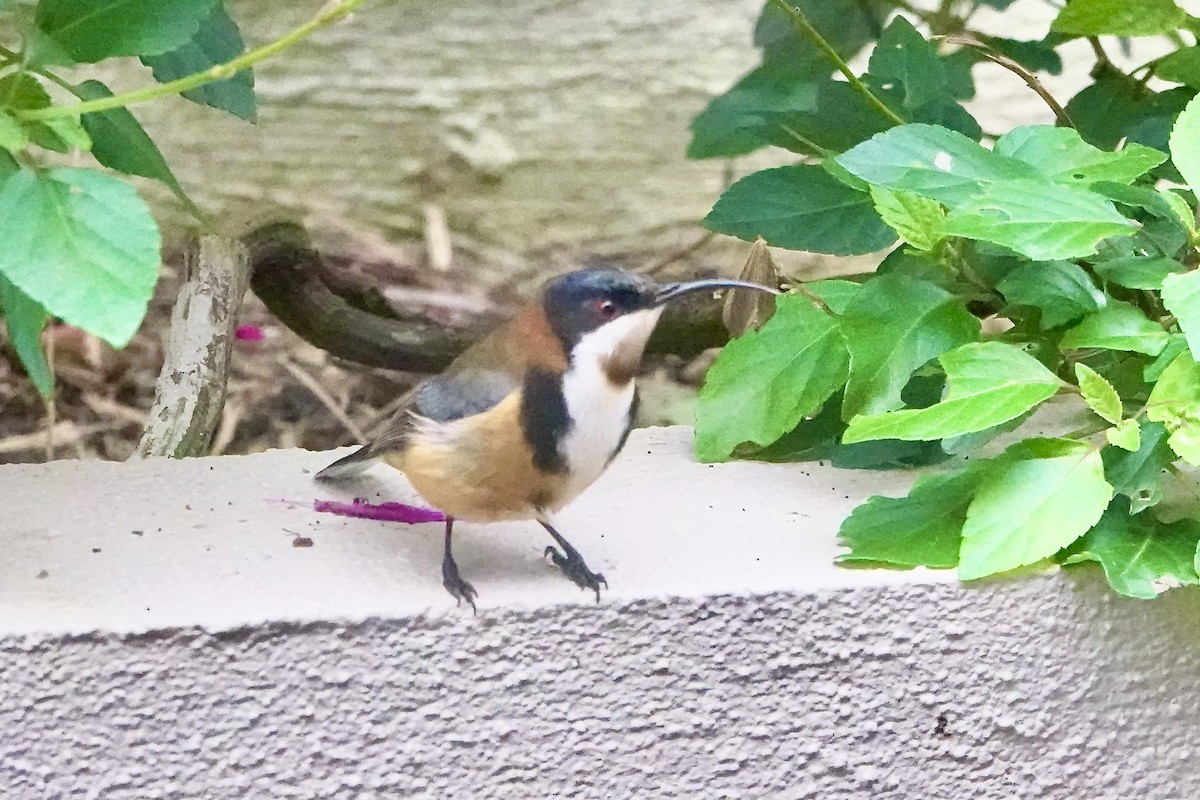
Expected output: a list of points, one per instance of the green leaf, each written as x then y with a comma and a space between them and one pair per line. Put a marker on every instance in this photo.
25, 319
8, 166
12, 136
82, 244
847, 27
1117, 107
922, 529
989, 384
1039, 220
917, 219
1138, 272
1037, 56
21, 91
1176, 344
1185, 143
1099, 394
68, 135
217, 41
93, 30
1035, 500
1181, 296
1141, 556
120, 142
1060, 154
1137, 475
1119, 17
886, 346
1126, 435
933, 162
765, 382
1175, 401
1060, 290
1117, 326
903, 55
801, 208
1182, 66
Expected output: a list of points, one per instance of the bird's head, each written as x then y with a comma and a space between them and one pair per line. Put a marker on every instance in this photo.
609, 314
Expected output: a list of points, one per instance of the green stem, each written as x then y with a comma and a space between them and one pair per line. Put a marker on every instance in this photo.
801, 23
218, 73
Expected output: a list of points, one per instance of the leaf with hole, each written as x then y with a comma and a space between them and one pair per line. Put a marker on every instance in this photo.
1141, 556
1039, 497
903, 55
1117, 326
801, 208
83, 245
1137, 474
933, 162
93, 30
886, 347
989, 383
1041, 221
1060, 154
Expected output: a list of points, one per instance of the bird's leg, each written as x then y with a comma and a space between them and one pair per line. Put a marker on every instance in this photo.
572, 564
459, 589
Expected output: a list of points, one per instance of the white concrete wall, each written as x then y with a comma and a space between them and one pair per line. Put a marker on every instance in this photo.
207, 657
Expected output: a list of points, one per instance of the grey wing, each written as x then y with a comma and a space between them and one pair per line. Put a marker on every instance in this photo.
445, 398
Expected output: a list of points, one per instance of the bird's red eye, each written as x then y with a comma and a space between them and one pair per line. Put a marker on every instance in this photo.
607, 308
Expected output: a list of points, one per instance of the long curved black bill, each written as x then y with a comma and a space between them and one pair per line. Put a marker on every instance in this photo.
670, 291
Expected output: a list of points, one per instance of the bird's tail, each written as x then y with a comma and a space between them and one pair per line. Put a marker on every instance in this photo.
350, 466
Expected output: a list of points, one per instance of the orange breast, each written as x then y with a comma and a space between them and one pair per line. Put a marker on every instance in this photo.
479, 468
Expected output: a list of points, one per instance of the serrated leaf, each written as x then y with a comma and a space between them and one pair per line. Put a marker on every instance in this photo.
1185, 143
801, 208
1035, 500
989, 383
21, 91
1137, 475
1119, 17
1099, 394
903, 55
83, 245
1060, 290
93, 30
917, 219
933, 162
12, 136
764, 383
1117, 107
1060, 154
1138, 272
1181, 296
1126, 435
1141, 556
923, 528
1117, 326
25, 319
217, 41
886, 347
1041, 221
1175, 402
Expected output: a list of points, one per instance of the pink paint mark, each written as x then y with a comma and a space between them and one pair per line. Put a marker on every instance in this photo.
249, 333
388, 512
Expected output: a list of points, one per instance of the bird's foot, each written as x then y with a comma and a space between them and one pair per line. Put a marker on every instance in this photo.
573, 567
459, 589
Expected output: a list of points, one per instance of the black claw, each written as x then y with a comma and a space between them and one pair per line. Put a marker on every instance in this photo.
459, 589
576, 570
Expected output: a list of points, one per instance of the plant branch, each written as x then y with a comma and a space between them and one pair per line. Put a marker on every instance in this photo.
801, 23
1031, 80
218, 73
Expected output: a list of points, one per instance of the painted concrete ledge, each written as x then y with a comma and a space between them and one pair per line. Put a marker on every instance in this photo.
160, 636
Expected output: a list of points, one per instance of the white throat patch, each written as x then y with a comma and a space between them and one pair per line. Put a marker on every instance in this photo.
599, 410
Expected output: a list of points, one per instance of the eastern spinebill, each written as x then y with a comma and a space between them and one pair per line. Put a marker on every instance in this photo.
532, 414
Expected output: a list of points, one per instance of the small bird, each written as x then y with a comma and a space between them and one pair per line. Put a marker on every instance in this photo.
531, 415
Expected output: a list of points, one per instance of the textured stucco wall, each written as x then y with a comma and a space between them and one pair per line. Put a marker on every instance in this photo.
161, 637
